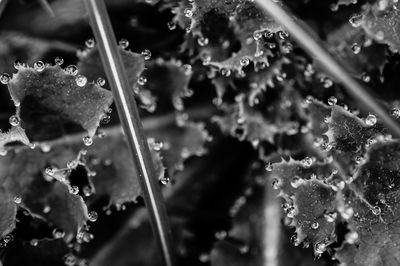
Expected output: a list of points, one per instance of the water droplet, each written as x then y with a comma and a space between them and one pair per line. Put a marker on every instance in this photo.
46, 209
202, 41
188, 12
39, 66
245, 61
17, 199
124, 43
101, 82
320, 248
81, 80
92, 216
309, 70
276, 184
87, 140
146, 54
257, 35
165, 180
90, 43
380, 35
58, 233
268, 34
332, 100
283, 34
74, 190
59, 60
328, 83
295, 240
351, 237
221, 235
376, 210
69, 260
365, 77
142, 80
14, 120
307, 162
225, 72
34, 242
71, 69
5, 78
187, 69
315, 225
330, 217
347, 213
296, 182
171, 25
395, 113
356, 20
356, 48
370, 120
158, 145
204, 258
269, 167
87, 191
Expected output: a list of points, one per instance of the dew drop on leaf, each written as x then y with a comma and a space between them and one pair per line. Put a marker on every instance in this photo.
171, 25
124, 43
307, 162
142, 80
187, 69
17, 199
14, 120
332, 100
39, 66
370, 120
188, 12
34, 242
395, 113
58, 61
69, 260
46, 209
269, 167
58, 233
245, 61
5, 78
315, 225
74, 190
356, 48
276, 183
165, 180
87, 140
81, 80
283, 34
257, 35
92, 216
101, 82
351, 237
376, 210
295, 240
356, 20
202, 41
330, 217
320, 248
146, 54
296, 182
71, 69
90, 43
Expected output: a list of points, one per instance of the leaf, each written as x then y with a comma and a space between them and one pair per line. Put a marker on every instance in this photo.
374, 197
169, 80
22, 177
346, 41
308, 198
8, 210
381, 22
238, 18
48, 99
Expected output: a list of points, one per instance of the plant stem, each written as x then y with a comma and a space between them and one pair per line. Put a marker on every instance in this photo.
129, 116
314, 46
